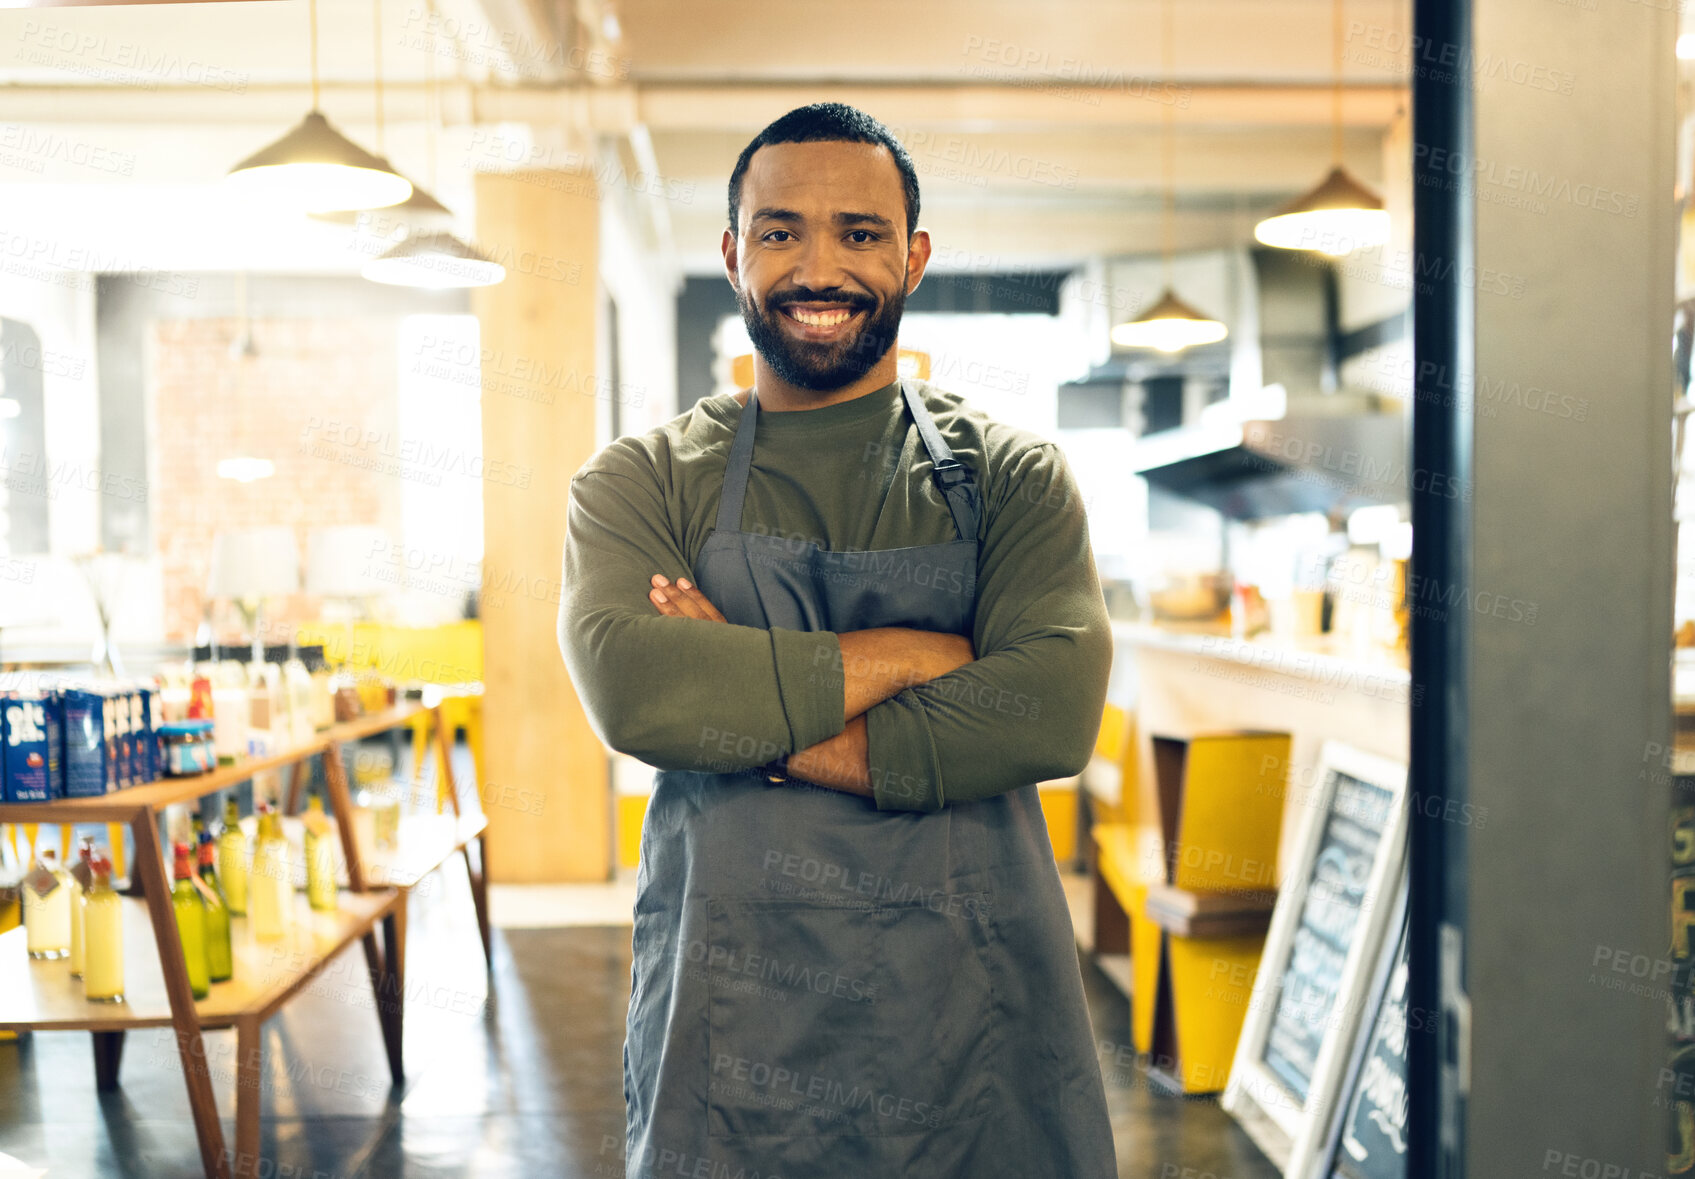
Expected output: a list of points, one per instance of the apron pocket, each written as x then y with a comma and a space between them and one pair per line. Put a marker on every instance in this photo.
851, 1018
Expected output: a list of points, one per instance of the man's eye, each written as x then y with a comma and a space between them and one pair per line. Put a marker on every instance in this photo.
772, 235
861, 237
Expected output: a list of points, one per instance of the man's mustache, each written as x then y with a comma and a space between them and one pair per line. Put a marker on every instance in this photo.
850, 299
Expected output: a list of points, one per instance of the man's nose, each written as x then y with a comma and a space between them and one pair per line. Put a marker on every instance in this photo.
820, 266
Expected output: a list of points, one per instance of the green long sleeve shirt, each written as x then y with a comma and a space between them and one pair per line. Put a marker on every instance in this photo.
686, 694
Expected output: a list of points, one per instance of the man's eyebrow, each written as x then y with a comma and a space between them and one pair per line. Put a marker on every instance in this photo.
770, 213
864, 219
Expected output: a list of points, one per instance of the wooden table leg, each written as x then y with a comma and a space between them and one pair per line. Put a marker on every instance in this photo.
479, 873
249, 1069
389, 983
447, 788
479, 892
185, 1021
341, 806
108, 1055
296, 786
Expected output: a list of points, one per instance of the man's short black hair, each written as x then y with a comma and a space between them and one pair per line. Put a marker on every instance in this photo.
828, 122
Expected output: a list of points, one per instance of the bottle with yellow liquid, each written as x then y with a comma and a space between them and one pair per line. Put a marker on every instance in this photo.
270, 891
219, 965
191, 923
47, 908
320, 857
232, 860
80, 875
103, 937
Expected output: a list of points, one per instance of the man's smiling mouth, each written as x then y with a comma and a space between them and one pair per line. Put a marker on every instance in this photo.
818, 318
819, 322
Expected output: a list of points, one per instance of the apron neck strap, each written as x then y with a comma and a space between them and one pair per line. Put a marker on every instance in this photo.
736, 469
952, 477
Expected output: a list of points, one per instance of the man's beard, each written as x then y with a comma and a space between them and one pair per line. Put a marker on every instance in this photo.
821, 366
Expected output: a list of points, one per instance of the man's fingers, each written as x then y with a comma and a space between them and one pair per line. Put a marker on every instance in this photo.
666, 606
693, 591
685, 603
682, 600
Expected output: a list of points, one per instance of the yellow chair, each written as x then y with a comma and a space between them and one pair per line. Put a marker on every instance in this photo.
450, 655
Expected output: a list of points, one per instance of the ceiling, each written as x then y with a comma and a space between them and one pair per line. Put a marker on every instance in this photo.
1035, 124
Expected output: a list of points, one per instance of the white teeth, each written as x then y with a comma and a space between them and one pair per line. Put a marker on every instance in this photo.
819, 318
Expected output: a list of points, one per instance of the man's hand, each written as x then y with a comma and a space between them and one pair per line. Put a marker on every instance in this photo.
683, 600
876, 663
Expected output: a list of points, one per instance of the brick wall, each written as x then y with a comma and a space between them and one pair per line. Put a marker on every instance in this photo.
318, 400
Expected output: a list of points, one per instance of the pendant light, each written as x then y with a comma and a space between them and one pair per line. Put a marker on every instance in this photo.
1170, 325
316, 168
420, 206
1340, 215
434, 260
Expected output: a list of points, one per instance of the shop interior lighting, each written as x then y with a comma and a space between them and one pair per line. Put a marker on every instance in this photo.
1339, 215
418, 208
246, 469
315, 168
1170, 325
434, 261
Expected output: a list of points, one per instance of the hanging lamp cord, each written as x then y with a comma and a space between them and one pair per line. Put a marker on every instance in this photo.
1168, 145
1336, 84
377, 67
312, 17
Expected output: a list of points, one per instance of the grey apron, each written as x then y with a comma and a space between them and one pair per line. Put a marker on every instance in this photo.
823, 989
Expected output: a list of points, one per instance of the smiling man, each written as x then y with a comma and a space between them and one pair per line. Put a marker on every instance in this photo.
852, 621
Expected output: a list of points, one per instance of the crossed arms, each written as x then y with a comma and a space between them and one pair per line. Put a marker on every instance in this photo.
915, 719
876, 663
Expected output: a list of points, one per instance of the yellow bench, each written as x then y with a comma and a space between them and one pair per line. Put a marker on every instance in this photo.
1187, 892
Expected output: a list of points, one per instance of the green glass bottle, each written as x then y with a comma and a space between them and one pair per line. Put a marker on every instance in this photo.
191, 923
219, 966
232, 860
320, 857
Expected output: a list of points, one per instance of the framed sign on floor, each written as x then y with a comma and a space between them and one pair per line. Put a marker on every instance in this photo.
1335, 904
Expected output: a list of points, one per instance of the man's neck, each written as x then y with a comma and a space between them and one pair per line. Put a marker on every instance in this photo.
779, 396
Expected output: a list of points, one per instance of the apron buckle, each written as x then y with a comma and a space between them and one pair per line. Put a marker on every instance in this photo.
949, 472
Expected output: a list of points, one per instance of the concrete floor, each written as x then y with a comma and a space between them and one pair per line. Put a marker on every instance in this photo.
526, 1083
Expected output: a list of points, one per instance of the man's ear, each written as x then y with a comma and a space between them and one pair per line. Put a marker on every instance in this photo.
917, 258
732, 263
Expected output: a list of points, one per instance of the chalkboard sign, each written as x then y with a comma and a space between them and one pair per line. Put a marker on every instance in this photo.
1370, 1138
1336, 891
1320, 953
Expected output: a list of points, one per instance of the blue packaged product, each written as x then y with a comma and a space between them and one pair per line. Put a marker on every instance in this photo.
117, 738
128, 737
54, 703
149, 743
23, 721
87, 758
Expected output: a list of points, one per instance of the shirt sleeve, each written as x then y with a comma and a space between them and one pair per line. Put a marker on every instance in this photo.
1028, 708
678, 693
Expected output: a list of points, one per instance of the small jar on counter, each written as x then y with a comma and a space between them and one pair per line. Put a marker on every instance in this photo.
188, 747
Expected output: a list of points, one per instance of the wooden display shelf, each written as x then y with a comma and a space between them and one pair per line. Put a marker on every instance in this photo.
117, 805
42, 995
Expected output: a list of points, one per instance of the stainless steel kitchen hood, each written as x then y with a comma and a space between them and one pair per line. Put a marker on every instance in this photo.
1330, 461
